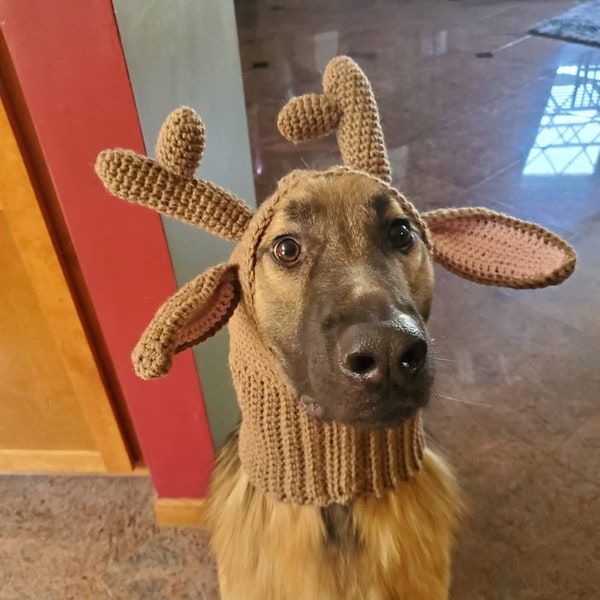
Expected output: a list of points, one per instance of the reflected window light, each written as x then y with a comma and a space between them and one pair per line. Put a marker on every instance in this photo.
568, 139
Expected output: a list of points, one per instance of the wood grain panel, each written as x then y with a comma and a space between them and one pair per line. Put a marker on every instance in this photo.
51, 461
39, 408
180, 512
52, 395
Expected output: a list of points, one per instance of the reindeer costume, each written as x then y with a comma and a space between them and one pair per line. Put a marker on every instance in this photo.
290, 479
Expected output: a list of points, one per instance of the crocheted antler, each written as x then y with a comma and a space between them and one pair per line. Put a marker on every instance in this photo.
348, 104
167, 184
203, 306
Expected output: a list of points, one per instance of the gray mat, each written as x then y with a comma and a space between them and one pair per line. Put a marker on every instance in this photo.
580, 24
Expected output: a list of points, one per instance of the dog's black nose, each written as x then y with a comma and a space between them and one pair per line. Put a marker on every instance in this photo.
387, 355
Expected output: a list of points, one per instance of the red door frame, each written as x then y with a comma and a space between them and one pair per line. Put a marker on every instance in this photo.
72, 73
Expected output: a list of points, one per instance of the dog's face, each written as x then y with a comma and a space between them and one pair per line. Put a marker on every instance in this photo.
343, 288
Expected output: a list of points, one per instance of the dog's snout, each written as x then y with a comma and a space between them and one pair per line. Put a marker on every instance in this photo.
362, 365
413, 357
382, 355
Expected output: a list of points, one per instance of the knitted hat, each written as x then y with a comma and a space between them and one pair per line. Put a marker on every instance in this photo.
285, 451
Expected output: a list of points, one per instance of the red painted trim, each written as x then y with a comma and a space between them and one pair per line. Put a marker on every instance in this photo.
70, 64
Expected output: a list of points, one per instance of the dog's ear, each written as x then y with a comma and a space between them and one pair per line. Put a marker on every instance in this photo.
491, 248
195, 313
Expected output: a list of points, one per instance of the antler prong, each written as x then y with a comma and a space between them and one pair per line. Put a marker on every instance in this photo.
308, 117
348, 103
181, 142
167, 184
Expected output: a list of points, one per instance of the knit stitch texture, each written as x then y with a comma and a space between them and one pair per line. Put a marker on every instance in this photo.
348, 103
297, 458
167, 184
285, 452
493, 249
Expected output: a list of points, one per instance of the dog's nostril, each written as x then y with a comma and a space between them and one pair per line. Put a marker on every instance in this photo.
413, 358
361, 364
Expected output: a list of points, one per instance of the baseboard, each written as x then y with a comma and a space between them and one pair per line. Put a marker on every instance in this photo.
51, 461
180, 512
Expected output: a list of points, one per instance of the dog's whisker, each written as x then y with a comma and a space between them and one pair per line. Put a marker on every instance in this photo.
438, 395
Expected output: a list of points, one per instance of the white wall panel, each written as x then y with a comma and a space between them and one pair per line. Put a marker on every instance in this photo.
185, 52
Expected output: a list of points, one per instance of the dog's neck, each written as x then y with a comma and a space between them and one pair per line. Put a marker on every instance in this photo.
296, 458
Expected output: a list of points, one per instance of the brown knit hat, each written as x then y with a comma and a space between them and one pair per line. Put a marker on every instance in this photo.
284, 451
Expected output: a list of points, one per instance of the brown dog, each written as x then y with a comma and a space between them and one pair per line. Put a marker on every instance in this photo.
328, 491
340, 291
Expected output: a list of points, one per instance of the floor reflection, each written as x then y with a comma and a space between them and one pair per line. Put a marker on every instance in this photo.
517, 410
568, 140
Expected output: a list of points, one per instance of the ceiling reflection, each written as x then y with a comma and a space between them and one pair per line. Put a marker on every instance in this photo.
568, 138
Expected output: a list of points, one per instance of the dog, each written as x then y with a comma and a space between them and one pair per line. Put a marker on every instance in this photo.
341, 294
328, 489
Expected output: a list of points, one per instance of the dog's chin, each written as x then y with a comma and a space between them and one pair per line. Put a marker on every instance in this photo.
379, 414
385, 420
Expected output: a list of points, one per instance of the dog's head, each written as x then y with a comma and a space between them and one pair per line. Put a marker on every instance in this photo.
335, 268
342, 289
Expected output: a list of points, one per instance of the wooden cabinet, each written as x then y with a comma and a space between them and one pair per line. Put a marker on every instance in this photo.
55, 413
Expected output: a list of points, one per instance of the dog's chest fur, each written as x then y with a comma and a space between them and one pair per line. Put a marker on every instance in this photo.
390, 548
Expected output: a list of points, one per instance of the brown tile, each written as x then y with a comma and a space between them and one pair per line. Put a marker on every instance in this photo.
505, 551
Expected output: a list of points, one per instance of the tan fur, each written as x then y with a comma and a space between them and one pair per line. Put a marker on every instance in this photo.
270, 550
399, 544
340, 236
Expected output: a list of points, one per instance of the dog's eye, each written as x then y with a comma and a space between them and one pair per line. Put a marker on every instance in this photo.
400, 235
286, 250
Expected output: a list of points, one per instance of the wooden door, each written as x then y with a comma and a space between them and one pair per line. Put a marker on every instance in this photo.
55, 413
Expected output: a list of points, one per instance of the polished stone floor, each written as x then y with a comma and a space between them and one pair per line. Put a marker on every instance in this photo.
475, 112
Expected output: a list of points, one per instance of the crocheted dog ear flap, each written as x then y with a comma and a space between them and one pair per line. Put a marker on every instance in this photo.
195, 313
167, 184
493, 249
347, 104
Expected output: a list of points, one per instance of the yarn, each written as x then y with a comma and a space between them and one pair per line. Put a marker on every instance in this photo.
348, 101
493, 249
286, 452
167, 184
192, 315
297, 458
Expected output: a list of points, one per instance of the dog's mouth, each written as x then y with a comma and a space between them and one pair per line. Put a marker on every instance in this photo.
370, 412
312, 407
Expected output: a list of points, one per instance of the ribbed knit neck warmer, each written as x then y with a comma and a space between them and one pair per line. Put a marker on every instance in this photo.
297, 458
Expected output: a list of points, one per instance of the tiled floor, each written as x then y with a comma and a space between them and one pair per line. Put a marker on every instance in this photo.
518, 402
519, 372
